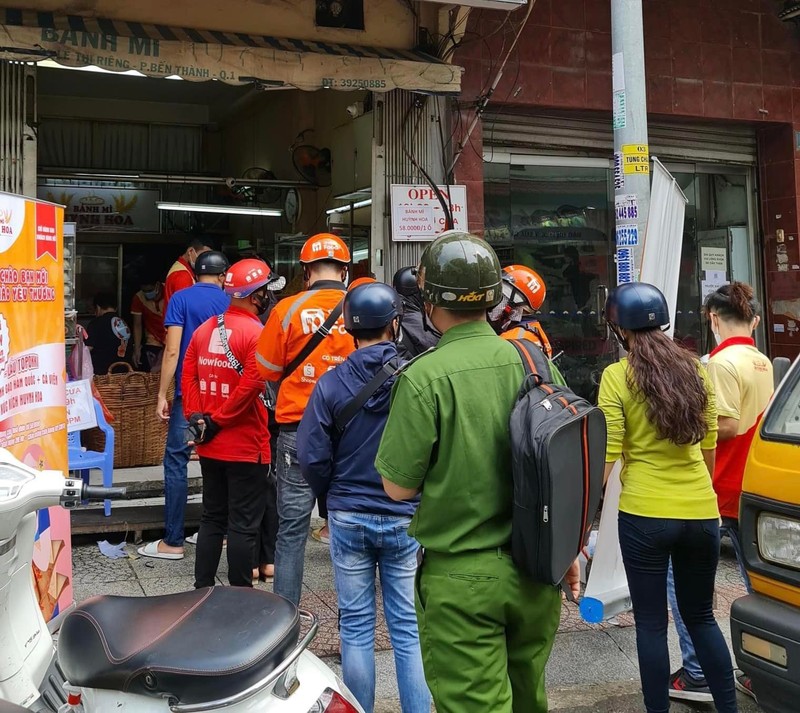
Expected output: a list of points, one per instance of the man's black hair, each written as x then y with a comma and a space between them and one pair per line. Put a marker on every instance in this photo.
105, 300
364, 335
198, 242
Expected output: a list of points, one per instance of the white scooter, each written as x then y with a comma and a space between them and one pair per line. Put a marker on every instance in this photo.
226, 649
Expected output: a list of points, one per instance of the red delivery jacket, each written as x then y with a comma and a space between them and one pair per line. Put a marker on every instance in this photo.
211, 385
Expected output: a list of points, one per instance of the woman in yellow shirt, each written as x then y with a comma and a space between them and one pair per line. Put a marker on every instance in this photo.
662, 420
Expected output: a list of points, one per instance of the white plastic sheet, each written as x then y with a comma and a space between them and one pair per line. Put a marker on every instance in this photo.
661, 258
606, 592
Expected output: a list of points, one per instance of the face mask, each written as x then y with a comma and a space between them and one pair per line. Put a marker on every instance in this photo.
622, 341
717, 335
151, 295
262, 303
427, 323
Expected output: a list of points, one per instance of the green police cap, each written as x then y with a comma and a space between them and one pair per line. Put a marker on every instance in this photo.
459, 271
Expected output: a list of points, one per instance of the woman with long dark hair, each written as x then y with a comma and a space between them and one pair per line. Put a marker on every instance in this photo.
662, 420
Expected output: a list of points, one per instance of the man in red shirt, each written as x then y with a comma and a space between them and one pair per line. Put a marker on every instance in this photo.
181, 274
223, 400
149, 333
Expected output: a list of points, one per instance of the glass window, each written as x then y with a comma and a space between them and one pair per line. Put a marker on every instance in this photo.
558, 220
783, 420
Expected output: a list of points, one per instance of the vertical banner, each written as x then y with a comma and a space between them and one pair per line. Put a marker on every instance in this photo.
33, 414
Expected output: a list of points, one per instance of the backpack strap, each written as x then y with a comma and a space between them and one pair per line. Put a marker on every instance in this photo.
231, 357
315, 340
534, 361
386, 372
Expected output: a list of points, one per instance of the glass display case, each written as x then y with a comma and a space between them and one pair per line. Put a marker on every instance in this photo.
287, 255
97, 269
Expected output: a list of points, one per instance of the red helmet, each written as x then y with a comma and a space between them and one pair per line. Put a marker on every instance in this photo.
324, 246
246, 276
360, 281
523, 287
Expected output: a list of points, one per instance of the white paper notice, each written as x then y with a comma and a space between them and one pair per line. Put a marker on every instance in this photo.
618, 72
716, 276
714, 259
710, 286
80, 406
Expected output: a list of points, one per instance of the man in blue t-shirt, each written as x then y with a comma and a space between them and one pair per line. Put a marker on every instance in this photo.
186, 311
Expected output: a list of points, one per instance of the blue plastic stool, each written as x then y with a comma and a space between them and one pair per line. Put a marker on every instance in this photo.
84, 461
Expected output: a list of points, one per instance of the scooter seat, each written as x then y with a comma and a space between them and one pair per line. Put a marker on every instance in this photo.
197, 646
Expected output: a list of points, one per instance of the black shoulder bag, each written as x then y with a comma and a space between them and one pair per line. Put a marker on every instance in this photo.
232, 360
386, 372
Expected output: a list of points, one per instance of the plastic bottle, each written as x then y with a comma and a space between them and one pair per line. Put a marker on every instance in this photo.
73, 704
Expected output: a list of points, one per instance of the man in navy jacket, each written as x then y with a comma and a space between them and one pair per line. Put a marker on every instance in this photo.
336, 451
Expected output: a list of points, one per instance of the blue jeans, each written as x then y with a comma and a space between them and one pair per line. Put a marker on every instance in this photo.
295, 505
693, 545
691, 665
176, 476
359, 543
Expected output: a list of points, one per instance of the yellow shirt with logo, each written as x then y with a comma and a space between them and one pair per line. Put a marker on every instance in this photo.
743, 381
659, 478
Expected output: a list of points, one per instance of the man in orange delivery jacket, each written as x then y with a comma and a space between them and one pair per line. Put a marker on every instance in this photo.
514, 318
304, 337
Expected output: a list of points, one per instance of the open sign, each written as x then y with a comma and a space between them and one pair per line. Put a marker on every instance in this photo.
417, 212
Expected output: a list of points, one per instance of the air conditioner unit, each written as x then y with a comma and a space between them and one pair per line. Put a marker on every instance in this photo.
485, 4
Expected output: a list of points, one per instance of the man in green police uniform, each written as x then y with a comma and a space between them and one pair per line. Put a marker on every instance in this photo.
486, 631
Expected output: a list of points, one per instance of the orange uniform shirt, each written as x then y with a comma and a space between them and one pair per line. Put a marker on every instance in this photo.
180, 276
743, 381
289, 327
533, 332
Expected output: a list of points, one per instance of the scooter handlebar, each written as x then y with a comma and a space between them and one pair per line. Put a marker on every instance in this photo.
96, 492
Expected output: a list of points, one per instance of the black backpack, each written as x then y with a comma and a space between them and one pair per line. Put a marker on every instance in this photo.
558, 453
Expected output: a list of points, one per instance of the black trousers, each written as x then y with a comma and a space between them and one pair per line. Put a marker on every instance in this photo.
268, 531
234, 499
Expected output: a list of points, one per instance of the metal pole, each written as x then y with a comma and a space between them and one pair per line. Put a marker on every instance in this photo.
631, 147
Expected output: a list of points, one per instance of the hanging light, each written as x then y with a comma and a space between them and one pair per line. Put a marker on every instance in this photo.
791, 11
346, 208
225, 209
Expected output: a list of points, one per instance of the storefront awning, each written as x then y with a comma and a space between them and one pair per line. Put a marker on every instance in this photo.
234, 58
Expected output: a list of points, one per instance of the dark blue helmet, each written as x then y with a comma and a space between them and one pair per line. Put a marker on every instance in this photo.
371, 306
211, 262
637, 305
405, 281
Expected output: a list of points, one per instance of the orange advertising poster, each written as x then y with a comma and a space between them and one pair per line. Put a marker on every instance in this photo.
33, 413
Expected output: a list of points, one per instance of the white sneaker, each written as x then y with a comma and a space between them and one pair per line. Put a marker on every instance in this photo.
192, 539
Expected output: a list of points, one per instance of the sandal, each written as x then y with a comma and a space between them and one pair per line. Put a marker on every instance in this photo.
151, 550
317, 534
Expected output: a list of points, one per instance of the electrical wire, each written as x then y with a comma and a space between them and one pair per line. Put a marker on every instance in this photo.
445, 203
484, 101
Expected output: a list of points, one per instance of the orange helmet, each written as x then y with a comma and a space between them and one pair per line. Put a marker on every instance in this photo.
324, 246
360, 281
523, 287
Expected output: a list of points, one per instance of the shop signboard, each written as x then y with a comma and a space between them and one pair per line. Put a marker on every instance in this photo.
417, 212
234, 58
33, 414
127, 210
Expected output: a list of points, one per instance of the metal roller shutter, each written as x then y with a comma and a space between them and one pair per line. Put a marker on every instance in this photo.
700, 143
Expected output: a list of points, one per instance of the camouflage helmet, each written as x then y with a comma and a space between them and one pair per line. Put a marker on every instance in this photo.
459, 271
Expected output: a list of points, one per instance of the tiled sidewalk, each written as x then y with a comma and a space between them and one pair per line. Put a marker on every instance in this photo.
95, 574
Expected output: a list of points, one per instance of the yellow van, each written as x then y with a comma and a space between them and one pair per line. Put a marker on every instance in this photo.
766, 624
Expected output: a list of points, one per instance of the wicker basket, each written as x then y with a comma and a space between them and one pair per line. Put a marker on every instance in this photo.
139, 436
